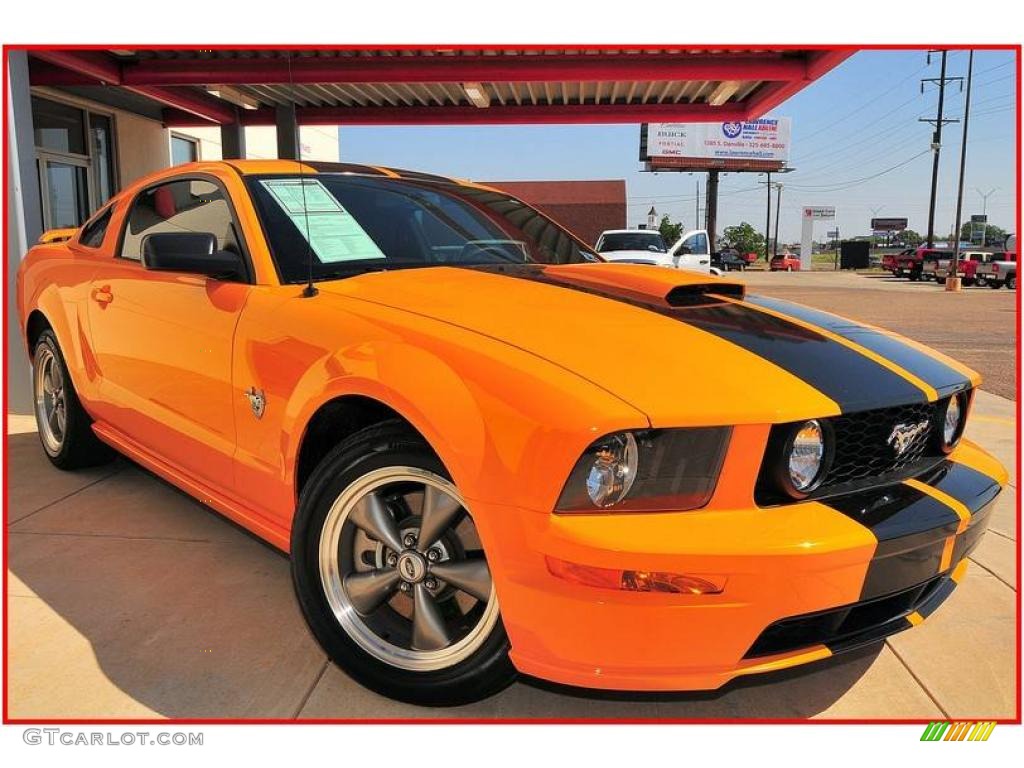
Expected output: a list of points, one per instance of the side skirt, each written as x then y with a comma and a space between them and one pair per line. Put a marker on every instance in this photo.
267, 530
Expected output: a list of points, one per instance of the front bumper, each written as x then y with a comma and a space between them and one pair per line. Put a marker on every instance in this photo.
802, 581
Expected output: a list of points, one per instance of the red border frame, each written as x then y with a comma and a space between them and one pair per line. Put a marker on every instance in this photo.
7, 720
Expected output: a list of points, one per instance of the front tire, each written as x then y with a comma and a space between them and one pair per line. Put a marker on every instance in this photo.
391, 576
65, 429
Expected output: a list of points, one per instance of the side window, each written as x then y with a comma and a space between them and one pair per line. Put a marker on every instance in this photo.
95, 231
188, 205
701, 244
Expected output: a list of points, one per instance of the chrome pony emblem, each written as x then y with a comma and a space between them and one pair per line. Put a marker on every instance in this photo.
904, 435
257, 401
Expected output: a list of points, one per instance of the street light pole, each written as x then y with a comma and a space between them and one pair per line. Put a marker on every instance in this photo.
984, 212
953, 280
938, 122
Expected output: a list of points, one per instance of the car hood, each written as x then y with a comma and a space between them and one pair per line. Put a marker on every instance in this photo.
681, 347
644, 257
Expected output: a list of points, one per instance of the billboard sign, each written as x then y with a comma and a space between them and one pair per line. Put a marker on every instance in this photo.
763, 140
979, 218
819, 211
888, 225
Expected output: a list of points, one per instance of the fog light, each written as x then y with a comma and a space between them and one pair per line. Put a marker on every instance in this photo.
806, 456
953, 421
635, 581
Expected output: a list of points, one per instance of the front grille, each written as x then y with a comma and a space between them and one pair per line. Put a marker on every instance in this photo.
863, 449
865, 454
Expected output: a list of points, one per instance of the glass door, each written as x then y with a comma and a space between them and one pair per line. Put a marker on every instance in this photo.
65, 191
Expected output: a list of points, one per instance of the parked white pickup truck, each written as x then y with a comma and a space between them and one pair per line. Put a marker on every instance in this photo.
646, 246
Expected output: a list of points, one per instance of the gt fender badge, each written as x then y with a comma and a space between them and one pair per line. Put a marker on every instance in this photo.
903, 436
257, 401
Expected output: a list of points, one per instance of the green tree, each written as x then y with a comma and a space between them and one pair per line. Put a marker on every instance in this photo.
744, 238
670, 232
911, 238
993, 235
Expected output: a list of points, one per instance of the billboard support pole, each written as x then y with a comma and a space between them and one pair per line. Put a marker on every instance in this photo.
711, 207
778, 207
768, 219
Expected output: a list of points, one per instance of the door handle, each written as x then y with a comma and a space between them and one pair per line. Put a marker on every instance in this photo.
102, 296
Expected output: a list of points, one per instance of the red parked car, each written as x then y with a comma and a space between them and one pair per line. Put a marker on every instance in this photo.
785, 262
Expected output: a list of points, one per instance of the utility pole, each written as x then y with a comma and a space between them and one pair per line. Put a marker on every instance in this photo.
768, 218
938, 122
984, 211
953, 280
696, 213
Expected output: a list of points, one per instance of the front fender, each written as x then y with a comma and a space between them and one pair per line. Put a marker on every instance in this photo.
507, 432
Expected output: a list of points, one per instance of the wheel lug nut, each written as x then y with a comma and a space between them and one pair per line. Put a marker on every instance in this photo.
405, 586
433, 555
430, 584
392, 559
409, 540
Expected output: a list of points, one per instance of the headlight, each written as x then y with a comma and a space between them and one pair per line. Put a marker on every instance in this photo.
646, 471
953, 418
613, 470
806, 457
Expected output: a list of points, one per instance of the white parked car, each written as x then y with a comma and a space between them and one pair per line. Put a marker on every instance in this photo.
646, 246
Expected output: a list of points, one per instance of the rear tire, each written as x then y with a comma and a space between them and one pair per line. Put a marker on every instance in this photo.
1011, 283
411, 638
995, 284
65, 429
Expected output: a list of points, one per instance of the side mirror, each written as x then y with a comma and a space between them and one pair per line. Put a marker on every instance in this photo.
193, 252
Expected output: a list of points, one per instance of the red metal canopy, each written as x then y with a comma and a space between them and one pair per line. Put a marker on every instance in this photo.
434, 85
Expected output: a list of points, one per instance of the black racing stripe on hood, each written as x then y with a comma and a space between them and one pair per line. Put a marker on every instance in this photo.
941, 377
851, 380
912, 529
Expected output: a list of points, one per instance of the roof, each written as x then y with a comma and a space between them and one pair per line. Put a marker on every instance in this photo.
445, 85
575, 192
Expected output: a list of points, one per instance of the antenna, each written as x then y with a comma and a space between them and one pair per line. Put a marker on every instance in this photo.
310, 290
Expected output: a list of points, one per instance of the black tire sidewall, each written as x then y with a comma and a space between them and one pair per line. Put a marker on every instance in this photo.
485, 672
80, 446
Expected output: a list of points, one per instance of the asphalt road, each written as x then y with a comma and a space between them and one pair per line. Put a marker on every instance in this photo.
975, 326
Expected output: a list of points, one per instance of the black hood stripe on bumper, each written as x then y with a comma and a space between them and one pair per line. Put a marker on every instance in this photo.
852, 380
919, 533
944, 379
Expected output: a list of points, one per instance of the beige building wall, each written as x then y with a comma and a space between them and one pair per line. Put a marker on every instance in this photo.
319, 142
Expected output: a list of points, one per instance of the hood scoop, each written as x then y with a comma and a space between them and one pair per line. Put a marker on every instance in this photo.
702, 293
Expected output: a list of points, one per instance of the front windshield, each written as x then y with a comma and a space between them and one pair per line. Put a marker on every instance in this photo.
632, 241
354, 224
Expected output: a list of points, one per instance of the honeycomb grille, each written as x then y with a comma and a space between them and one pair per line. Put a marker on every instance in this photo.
863, 445
865, 452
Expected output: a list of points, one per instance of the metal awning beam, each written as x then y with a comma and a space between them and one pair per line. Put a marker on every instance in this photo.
459, 69
102, 69
495, 115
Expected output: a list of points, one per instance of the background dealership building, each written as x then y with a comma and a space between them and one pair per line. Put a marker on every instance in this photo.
82, 124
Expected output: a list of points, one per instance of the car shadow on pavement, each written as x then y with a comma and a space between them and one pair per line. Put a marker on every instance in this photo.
128, 599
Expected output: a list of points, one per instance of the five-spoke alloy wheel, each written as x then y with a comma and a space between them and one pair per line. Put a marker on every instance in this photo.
391, 574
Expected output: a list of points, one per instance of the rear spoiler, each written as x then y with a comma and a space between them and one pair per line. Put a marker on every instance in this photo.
57, 235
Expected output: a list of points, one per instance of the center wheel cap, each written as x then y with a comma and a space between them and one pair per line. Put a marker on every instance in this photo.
412, 566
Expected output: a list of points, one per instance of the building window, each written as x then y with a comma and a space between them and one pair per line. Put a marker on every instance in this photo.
183, 150
75, 158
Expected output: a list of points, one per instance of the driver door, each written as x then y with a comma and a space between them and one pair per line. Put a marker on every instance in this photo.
163, 340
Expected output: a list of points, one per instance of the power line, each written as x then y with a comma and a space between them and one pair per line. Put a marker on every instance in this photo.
840, 185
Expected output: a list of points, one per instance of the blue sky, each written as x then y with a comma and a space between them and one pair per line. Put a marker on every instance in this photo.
859, 120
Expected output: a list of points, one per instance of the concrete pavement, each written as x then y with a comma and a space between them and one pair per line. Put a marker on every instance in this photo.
127, 599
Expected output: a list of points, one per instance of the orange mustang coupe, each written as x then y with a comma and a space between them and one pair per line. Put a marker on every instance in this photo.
486, 450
